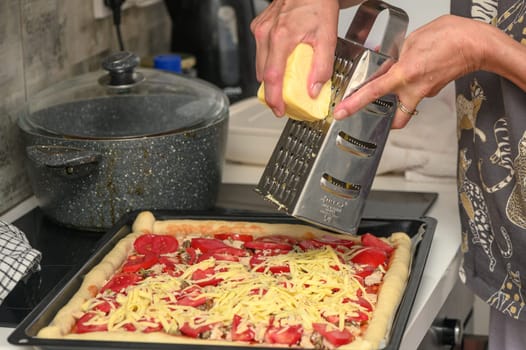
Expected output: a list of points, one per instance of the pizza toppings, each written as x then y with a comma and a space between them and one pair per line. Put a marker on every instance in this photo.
317, 292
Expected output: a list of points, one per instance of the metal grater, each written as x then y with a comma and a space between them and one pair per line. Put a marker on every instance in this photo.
322, 172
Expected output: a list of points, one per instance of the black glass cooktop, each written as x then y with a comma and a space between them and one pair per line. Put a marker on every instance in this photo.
64, 249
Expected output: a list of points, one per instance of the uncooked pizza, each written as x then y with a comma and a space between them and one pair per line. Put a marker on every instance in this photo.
239, 283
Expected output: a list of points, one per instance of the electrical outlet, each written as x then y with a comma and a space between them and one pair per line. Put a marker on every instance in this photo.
100, 10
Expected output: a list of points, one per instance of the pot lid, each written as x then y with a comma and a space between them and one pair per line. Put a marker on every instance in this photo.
125, 102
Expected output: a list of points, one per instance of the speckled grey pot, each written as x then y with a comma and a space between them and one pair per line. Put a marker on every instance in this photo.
90, 183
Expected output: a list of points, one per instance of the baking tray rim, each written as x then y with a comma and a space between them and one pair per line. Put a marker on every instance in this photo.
21, 336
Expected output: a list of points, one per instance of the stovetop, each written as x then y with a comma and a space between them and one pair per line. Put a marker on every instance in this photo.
64, 249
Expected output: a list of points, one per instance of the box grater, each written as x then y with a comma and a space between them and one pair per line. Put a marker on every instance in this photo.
321, 172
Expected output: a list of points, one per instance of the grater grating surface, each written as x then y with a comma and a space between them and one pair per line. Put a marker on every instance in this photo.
321, 172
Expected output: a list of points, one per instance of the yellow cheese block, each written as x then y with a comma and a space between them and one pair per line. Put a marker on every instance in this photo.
299, 104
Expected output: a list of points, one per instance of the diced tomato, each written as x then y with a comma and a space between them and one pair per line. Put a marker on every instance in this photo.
369, 240
247, 335
121, 281
370, 256
138, 262
206, 245
334, 336
82, 327
231, 236
290, 335
334, 242
155, 244
194, 332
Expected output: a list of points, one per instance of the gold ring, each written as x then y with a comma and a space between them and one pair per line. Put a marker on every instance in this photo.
404, 109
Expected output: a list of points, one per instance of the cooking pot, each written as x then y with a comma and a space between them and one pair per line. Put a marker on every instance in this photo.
100, 145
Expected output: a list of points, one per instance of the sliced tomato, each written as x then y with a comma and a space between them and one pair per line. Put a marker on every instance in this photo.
247, 335
279, 242
231, 236
138, 262
290, 335
333, 336
164, 244
129, 327
194, 332
217, 256
204, 277
120, 281
370, 240
82, 327
106, 306
359, 317
365, 271
364, 303
370, 256
206, 245
309, 244
189, 300
334, 241
189, 256
155, 244
258, 259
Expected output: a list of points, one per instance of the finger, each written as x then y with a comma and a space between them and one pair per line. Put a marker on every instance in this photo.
273, 75
322, 66
404, 113
371, 91
260, 29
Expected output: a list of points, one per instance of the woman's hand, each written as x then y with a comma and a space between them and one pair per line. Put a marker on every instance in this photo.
280, 28
430, 58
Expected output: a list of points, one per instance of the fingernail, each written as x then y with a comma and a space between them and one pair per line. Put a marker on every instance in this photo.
276, 112
316, 88
340, 114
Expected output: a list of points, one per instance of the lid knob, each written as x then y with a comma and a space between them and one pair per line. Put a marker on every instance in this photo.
121, 66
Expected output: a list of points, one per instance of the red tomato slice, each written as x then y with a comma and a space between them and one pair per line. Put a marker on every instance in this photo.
334, 242
144, 244
106, 306
81, 326
204, 277
264, 244
194, 332
121, 281
191, 300
369, 240
290, 335
333, 336
206, 245
217, 256
360, 317
370, 256
246, 335
309, 244
365, 271
138, 262
155, 244
231, 236
163, 244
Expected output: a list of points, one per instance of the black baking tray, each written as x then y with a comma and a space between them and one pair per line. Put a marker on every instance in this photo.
421, 230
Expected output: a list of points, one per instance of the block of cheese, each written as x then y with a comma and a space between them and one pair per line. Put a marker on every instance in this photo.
299, 104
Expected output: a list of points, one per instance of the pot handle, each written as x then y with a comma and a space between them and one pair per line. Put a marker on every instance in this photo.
61, 156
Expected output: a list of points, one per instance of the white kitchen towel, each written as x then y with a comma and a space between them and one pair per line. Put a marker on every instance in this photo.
17, 258
427, 146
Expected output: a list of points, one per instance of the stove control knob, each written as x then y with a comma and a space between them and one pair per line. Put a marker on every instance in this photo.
448, 331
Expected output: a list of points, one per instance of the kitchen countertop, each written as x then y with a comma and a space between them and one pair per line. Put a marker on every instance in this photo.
440, 273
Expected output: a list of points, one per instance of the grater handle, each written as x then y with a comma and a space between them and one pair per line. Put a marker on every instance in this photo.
395, 30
